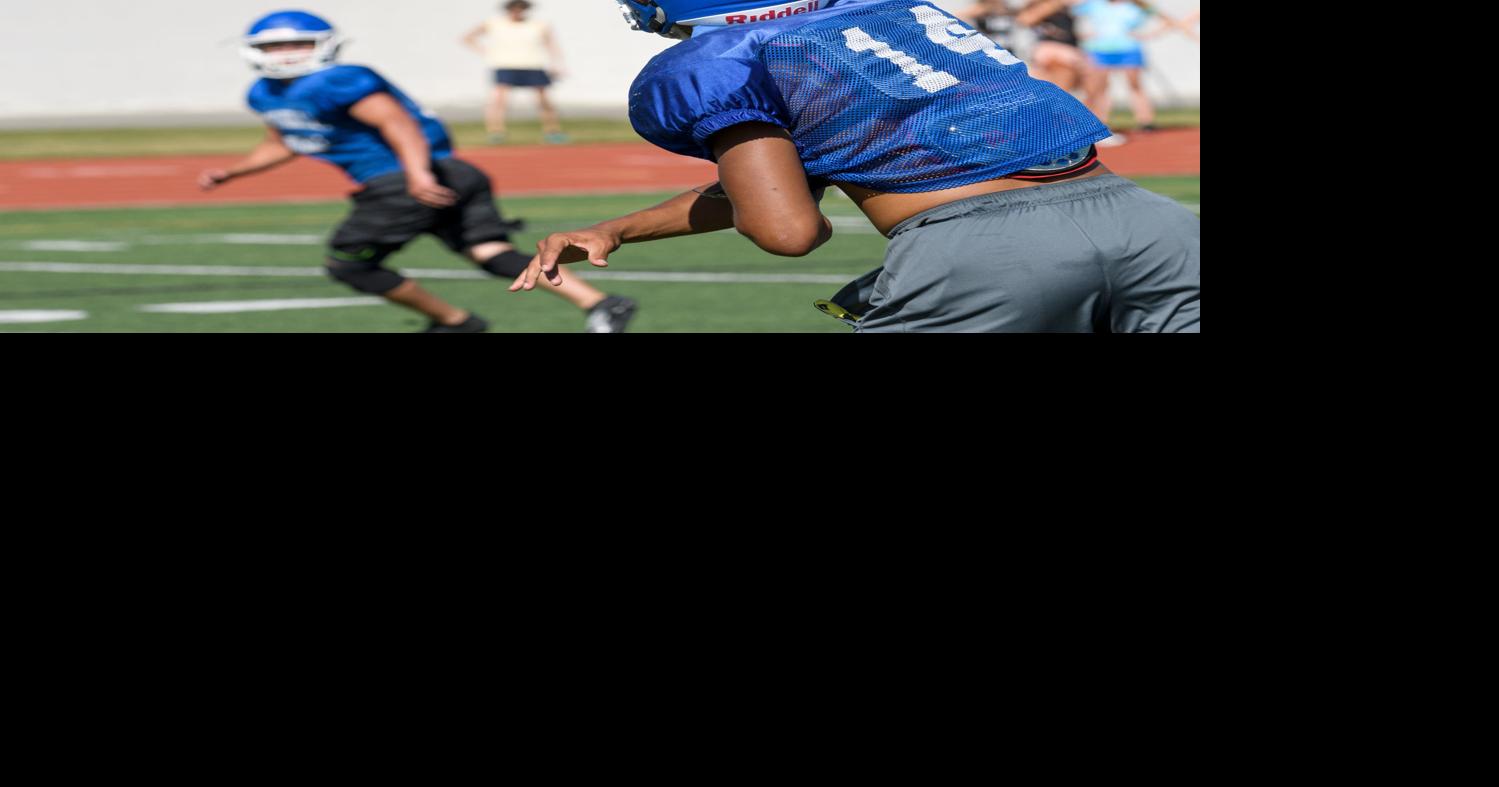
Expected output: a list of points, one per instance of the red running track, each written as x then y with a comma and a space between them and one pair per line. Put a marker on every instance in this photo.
50, 184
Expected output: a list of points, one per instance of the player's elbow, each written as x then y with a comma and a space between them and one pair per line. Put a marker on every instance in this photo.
785, 246
794, 239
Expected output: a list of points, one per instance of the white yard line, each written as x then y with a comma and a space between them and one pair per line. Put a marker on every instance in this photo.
38, 316
75, 245
239, 307
156, 270
725, 278
241, 239
230, 239
854, 225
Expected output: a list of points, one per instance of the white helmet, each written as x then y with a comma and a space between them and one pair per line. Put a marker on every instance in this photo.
287, 27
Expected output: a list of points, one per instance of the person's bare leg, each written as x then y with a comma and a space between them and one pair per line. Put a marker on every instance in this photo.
1060, 74
574, 290
495, 114
1097, 88
1055, 66
1083, 71
1046, 71
1139, 100
550, 123
1075, 67
1070, 76
416, 298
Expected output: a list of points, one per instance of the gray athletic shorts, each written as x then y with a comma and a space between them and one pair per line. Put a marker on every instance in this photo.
1096, 255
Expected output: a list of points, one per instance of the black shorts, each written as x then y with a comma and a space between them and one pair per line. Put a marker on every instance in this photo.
386, 217
522, 77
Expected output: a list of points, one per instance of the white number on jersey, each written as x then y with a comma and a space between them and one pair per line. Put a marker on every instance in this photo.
927, 78
942, 30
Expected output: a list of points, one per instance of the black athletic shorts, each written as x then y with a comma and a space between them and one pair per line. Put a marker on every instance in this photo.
386, 217
522, 77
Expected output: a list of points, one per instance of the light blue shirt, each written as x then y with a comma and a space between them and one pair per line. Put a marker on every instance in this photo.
1111, 25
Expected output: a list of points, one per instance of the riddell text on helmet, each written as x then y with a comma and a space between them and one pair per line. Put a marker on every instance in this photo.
781, 13
767, 14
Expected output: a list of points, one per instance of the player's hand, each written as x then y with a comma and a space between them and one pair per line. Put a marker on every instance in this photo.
426, 190
561, 248
211, 179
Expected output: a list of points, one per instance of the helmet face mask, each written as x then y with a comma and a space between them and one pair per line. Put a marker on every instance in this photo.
677, 18
291, 27
650, 17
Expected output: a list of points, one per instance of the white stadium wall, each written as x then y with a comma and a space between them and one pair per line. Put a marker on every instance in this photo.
93, 62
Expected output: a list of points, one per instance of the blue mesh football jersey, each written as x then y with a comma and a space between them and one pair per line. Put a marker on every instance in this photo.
892, 95
312, 113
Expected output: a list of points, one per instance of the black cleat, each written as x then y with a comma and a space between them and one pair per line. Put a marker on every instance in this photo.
474, 324
612, 315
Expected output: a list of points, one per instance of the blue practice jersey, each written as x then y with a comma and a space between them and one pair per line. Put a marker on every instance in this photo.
892, 95
1111, 26
312, 113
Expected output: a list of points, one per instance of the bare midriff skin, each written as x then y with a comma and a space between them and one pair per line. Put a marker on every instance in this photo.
886, 211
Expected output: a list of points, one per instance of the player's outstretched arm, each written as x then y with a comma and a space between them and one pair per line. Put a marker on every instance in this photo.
1163, 23
272, 152
405, 137
1185, 25
769, 201
472, 39
1039, 10
774, 206
691, 213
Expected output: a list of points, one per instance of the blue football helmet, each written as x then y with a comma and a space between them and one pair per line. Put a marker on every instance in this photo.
291, 27
676, 18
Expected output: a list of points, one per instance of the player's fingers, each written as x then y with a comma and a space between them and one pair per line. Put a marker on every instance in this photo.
547, 263
520, 281
533, 273
551, 251
596, 249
